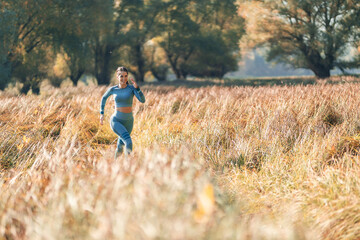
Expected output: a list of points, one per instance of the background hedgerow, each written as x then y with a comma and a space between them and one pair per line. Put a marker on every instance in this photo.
211, 162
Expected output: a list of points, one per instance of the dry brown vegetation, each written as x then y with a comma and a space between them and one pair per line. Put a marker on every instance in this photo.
215, 162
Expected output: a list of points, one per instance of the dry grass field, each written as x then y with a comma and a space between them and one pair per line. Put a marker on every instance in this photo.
210, 162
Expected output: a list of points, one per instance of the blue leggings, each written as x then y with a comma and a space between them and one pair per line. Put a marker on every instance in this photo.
122, 124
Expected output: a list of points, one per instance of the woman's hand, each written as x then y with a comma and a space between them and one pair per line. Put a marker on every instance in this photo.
133, 83
101, 119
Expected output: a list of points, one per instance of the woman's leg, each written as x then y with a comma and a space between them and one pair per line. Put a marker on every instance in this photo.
122, 128
120, 145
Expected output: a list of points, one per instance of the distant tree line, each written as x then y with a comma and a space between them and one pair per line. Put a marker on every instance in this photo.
56, 39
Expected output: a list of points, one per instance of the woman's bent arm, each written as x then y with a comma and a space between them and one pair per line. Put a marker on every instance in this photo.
139, 94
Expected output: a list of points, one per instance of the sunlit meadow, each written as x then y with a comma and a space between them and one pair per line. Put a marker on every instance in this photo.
211, 162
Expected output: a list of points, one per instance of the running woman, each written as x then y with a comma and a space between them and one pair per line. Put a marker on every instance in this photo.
121, 122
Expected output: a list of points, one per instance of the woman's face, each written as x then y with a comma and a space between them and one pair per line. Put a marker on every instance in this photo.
123, 77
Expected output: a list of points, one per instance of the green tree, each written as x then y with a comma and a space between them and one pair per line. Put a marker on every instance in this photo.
201, 37
32, 70
72, 35
217, 47
304, 33
79, 58
106, 38
179, 34
212, 57
30, 28
140, 18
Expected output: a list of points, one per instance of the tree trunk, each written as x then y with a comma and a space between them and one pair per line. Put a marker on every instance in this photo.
321, 67
178, 74
5, 74
176, 70
320, 71
160, 72
32, 83
35, 86
158, 76
140, 63
183, 74
26, 86
102, 60
74, 77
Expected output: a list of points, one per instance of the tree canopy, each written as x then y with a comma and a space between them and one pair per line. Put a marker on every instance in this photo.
201, 37
95, 36
305, 33
185, 37
22, 31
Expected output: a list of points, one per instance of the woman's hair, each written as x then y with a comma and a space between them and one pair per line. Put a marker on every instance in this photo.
122, 69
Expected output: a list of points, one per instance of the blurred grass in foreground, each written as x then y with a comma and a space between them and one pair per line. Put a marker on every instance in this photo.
209, 162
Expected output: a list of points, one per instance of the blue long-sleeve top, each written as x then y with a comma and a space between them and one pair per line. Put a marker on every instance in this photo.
123, 96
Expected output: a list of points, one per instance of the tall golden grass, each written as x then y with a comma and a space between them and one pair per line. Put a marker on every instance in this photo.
208, 163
